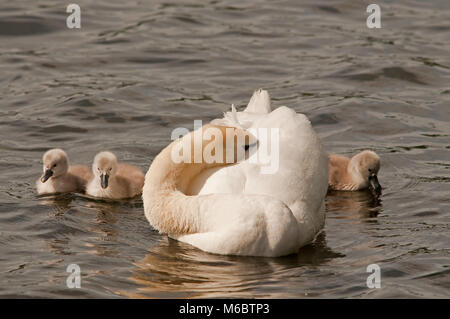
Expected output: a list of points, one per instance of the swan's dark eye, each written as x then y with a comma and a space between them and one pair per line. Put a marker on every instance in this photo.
246, 147
54, 165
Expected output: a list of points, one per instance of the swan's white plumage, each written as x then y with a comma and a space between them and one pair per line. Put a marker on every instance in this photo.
241, 224
290, 202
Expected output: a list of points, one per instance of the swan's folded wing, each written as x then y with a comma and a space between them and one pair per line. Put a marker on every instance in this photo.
220, 180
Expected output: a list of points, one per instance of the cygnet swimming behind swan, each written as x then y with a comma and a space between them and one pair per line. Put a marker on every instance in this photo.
59, 176
359, 172
113, 180
235, 209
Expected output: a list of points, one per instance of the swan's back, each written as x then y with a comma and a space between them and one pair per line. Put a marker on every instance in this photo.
301, 180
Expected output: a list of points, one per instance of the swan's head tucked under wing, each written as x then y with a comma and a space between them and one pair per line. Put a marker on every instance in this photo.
207, 147
56, 163
367, 164
221, 144
104, 167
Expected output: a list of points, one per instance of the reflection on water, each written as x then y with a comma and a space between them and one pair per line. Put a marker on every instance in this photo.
85, 90
176, 269
363, 204
102, 215
58, 203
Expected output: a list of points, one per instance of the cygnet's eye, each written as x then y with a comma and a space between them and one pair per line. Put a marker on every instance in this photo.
98, 168
370, 171
109, 169
54, 165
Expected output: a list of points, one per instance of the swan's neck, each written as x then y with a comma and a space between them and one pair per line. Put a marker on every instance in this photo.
167, 176
166, 206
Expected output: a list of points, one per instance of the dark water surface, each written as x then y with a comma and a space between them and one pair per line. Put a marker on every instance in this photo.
138, 69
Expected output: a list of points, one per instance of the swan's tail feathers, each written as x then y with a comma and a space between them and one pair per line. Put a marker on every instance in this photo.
259, 102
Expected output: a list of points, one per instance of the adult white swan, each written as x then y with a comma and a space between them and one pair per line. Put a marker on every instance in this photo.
236, 209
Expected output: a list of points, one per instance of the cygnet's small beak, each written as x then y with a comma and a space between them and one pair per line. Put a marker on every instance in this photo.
48, 173
374, 185
104, 180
